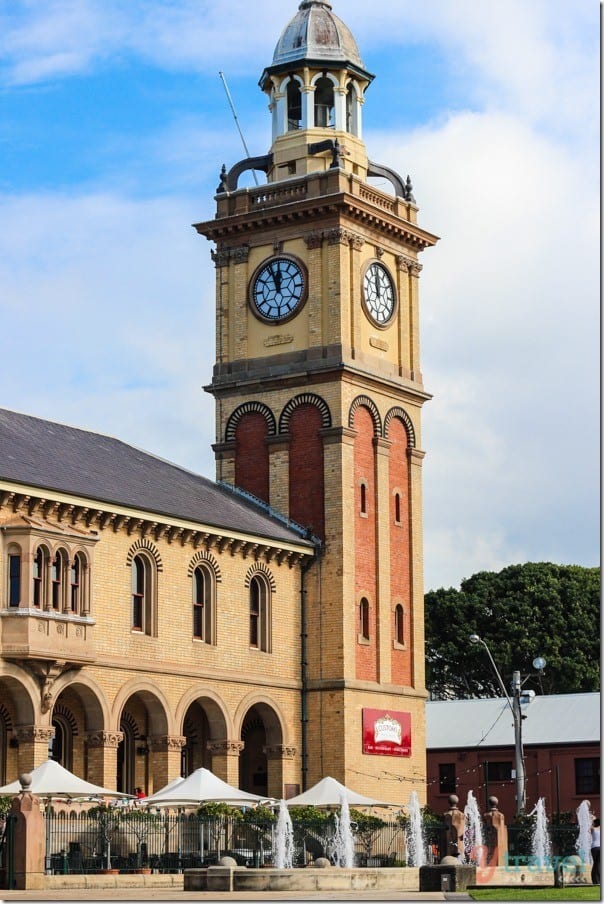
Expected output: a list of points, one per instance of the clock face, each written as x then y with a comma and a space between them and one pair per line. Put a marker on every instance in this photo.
378, 294
278, 289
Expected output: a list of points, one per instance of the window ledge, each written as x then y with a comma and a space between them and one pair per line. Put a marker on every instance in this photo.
365, 641
398, 646
47, 614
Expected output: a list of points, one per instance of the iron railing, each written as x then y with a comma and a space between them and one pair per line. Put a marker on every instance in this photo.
135, 840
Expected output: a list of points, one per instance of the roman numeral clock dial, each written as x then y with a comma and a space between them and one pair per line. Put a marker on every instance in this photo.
379, 294
278, 289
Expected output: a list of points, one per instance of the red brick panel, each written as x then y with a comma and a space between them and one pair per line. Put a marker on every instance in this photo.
251, 455
365, 542
400, 586
306, 483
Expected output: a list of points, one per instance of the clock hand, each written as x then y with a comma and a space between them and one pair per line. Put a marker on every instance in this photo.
377, 284
276, 276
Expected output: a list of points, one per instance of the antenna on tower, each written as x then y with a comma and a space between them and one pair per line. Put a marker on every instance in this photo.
232, 106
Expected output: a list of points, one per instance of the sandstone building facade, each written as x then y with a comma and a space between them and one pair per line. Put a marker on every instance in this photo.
268, 626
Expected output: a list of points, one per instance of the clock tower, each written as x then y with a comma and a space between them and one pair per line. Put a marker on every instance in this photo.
319, 393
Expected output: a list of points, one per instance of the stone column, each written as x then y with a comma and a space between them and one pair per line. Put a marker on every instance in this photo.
280, 763
33, 745
29, 839
225, 759
165, 758
497, 834
455, 824
102, 757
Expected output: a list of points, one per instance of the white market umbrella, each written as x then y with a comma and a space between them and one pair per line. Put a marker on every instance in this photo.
202, 786
167, 789
329, 793
52, 780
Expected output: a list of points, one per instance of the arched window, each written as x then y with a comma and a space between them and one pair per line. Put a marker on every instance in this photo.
203, 605
125, 756
399, 625
57, 575
324, 104
260, 614
352, 110
142, 612
364, 619
294, 105
61, 746
397, 508
40, 562
14, 576
75, 585
363, 499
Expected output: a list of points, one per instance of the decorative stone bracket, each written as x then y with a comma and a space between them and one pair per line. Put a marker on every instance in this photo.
47, 671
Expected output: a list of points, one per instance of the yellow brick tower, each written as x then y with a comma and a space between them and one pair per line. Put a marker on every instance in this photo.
319, 393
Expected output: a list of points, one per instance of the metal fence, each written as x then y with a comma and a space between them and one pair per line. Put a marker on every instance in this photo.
169, 842
137, 840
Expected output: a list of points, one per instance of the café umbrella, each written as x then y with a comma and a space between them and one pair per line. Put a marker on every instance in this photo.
50, 779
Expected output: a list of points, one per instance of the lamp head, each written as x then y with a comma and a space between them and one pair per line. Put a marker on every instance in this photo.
474, 638
539, 663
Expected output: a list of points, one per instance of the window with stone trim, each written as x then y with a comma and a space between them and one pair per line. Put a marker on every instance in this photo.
204, 604
41, 558
142, 595
364, 619
260, 614
47, 573
399, 625
14, 576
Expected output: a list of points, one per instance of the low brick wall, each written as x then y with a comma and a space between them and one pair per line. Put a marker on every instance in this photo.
95, 880
218, 878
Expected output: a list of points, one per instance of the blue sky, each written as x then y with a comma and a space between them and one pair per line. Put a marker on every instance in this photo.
113, 128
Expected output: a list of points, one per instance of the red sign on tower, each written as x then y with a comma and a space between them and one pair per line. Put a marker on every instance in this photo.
386, 732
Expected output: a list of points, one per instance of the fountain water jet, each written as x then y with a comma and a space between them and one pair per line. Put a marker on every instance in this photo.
284, 839
583, 842
541, 847
473, 840
414, 833
343, 839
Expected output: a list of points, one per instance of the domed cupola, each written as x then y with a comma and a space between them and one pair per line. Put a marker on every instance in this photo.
316, 84
315, 34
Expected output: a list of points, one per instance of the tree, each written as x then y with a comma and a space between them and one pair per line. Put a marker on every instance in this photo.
523, 611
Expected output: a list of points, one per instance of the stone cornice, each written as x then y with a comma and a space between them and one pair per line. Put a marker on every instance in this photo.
248, 218
98, 517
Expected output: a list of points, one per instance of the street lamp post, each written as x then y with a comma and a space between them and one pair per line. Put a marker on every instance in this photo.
514, 705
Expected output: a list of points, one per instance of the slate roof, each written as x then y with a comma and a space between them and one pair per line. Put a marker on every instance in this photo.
551, 719
51, 456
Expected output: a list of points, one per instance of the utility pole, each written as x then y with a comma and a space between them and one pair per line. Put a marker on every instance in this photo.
514, 705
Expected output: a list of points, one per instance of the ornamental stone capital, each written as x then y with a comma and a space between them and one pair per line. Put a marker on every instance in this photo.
25, 733
167, 742
280, 752
110, 739
226, 746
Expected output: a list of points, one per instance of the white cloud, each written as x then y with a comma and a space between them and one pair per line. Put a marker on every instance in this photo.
109, 303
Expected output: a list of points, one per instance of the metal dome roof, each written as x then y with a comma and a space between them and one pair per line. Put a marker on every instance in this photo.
315, 33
